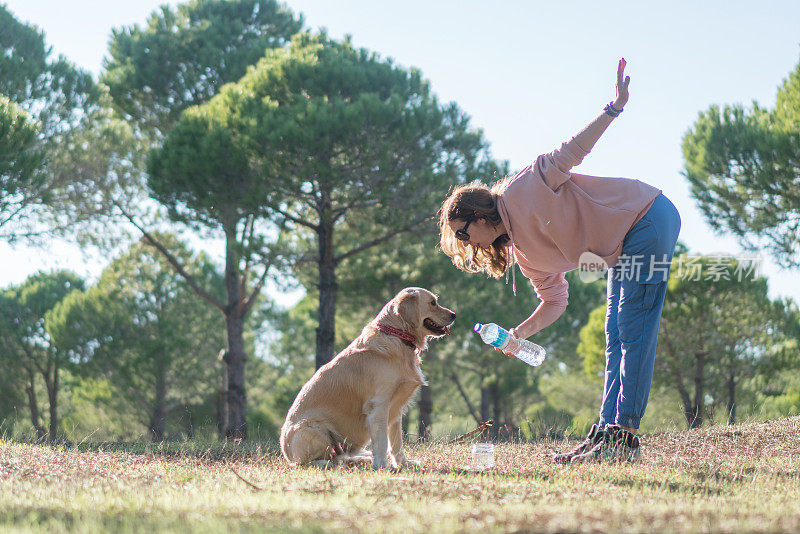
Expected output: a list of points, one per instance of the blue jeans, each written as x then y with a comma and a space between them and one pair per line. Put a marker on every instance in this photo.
636, 287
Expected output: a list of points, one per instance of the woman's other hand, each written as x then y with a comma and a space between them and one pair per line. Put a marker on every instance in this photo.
513, 333
622, 85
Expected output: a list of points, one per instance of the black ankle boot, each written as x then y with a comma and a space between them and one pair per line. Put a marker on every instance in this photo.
595, 436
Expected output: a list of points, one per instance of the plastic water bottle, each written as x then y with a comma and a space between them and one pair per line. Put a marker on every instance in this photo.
482, 455
497, 336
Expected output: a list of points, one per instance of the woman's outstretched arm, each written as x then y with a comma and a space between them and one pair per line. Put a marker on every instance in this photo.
589, 135
555, 166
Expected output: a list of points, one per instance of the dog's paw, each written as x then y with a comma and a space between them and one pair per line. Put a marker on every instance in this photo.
379, 463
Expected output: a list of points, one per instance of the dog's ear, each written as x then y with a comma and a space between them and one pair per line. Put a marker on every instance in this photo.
407, 308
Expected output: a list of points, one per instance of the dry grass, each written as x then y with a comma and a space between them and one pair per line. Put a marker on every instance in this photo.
745, 478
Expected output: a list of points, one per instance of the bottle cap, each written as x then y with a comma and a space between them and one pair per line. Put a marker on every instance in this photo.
477, 327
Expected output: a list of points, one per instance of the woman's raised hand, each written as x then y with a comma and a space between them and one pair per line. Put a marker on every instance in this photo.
622, 85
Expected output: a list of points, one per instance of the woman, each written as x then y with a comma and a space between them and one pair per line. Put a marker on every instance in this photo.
548, 221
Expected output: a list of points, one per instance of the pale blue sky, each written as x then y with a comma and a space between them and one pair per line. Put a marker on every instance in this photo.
531, 75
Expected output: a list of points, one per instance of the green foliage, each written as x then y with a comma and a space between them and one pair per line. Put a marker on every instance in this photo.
178, 59
592, 346
345, 147
202, 175
742, 167
33, 360
575, 394
19, 157
143, 329
717, 313
778, 388
183, 55
787, 403
544, 421
294, 346
97, 169
318, 127
97, 412
355, 135
53, 91
12, 381
268, 387
291, 357
24, 56
39, 294
56, 96
718, 329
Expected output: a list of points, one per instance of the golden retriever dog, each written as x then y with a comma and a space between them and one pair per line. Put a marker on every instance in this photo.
361, 394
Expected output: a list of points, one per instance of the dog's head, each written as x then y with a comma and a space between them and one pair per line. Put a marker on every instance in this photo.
420, 313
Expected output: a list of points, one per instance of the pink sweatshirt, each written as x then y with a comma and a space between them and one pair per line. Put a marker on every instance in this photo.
553, 216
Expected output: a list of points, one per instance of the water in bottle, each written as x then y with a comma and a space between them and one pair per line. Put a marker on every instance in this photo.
497, 336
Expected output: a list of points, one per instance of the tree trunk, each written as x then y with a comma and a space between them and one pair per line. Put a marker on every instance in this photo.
497, 405
189, 423
732, 399
157, 419
235, 310
695, 415
326, 331
222, 398
33, 405
237, 399
234, 322
52, 395
486, 406
425, 409
485, 403
684, 394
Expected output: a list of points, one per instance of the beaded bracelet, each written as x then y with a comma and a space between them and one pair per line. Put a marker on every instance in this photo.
611, 110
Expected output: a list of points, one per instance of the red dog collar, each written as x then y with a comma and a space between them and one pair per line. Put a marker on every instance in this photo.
407, 338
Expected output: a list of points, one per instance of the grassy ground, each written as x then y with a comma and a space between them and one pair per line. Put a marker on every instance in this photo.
744, 478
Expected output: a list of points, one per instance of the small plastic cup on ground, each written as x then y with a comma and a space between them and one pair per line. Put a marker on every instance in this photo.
482, 456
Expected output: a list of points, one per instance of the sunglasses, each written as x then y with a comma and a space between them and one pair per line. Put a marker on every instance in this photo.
461, 234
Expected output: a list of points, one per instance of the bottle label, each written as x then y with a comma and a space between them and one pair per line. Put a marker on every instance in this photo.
502, 338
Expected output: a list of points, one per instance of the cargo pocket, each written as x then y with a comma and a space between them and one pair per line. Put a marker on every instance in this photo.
634, 307
638, 295
650, 294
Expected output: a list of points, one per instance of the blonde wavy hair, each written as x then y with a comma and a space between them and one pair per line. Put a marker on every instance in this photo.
478, 201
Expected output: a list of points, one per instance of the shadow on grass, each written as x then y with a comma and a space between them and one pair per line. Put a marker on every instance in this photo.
54, 519
210, 451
